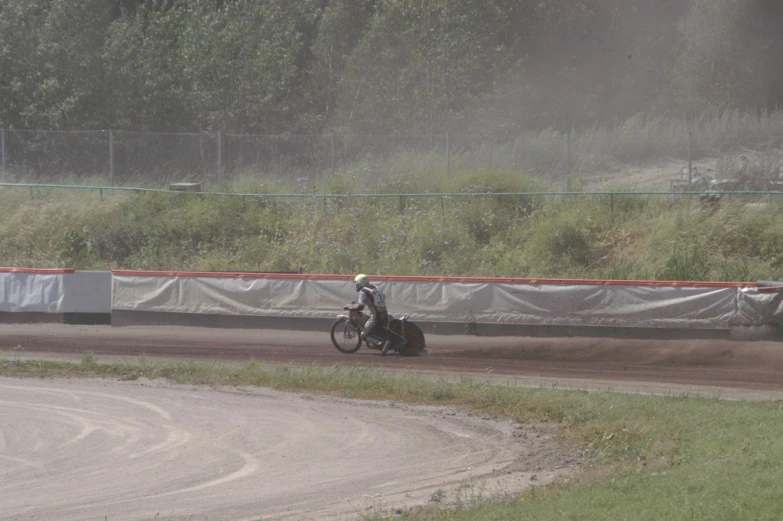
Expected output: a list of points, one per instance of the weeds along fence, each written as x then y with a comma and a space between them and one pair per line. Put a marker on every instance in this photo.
412, 203
131, 158
122, 158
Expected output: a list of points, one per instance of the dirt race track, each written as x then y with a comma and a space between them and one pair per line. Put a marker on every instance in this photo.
96, 449
729, 368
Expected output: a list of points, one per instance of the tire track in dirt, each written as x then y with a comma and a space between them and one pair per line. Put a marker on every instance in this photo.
95, 449
680, 364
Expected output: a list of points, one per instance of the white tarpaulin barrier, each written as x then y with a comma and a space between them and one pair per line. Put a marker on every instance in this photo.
480, 301
756, 308
54, 291
31, 292
557, 304
230, 296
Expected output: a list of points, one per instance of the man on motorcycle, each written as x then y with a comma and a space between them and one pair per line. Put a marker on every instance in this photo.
374, 299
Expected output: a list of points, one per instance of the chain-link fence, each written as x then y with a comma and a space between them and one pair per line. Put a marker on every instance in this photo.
130, 158
34, 155
125, 158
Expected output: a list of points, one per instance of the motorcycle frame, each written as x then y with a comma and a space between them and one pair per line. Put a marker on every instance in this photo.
357, 317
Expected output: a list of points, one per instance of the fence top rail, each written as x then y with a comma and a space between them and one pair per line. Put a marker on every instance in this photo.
392, 135
32, 131
151, 133
384, 195
264, 135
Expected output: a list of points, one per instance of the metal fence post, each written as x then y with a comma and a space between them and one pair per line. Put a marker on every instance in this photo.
448, 156
219, 157
611, 204
331, 152
568, 160
2, 145
690, 158
111, 157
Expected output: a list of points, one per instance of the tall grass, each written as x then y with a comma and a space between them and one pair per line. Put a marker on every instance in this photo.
620, 236
587, 236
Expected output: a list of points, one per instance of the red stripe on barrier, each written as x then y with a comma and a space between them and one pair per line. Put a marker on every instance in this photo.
414, 278
570, 282
770, 289
41, 271
227, 275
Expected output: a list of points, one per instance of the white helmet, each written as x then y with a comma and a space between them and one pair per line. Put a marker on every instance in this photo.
361, 281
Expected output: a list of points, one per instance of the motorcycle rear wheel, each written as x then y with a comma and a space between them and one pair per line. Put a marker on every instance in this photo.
346, 337
415, 338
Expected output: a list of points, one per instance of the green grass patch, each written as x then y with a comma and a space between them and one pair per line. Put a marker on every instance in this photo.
645, 458
477, 234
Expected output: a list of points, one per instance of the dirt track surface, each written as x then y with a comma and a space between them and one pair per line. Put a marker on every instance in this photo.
77, 450
86, 450
751, 370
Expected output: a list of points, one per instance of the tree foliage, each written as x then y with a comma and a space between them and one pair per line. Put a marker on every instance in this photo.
402, 66
730, 55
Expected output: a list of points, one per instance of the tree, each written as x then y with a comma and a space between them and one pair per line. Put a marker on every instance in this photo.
421, 63
20, 60
147, 88
730, 55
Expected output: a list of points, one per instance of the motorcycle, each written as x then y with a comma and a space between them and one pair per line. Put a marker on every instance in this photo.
347, 333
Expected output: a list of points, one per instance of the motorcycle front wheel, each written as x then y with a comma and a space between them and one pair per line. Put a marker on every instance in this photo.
346, 336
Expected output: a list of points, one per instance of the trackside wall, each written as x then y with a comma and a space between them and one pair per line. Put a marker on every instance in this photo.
449, 305
58, 295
